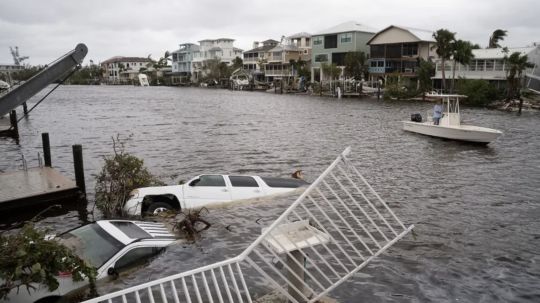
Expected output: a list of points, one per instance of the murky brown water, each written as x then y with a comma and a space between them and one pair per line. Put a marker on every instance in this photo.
475, 208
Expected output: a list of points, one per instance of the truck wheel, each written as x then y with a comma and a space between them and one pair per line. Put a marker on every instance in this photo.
157, 207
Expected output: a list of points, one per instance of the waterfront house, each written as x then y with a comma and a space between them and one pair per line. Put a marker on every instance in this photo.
397, 50
254, 58
292, 48
222, 49
182, 63
123, 70
331, 45
488, 64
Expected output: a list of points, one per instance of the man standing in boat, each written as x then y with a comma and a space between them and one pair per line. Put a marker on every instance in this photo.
437, 113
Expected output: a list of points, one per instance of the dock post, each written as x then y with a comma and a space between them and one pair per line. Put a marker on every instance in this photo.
25, 108
79, 167
46, 149
293, 260
14, 125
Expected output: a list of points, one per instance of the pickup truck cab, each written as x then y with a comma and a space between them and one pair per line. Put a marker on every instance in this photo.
206, 190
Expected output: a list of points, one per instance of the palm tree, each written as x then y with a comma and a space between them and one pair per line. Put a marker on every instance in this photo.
443, 44
498, 35
462, 54
515, 65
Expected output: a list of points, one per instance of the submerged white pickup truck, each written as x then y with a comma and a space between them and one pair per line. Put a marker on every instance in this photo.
205, 190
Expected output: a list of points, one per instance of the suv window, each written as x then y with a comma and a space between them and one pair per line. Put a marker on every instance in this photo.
210, 180
136, 256
281, 182
243, 181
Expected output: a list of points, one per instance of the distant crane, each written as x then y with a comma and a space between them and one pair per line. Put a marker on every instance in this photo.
17, 59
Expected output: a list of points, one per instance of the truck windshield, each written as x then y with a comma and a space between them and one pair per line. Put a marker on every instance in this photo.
92, 244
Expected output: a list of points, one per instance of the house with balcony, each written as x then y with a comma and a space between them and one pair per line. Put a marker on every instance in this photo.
222, 49
303, 42
397, 50
181, 63
255, 58
278, 65
331, 45
123, 70
489, 64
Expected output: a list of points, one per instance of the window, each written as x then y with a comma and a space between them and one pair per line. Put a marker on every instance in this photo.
489, 65
287, 183
339, 58
330, 41
346, 38
242, 181
393, 51
136, 256
377, 51
380, 63
209, 180
472, 67
308, 42
317, 40
321, 58
499, 65
480, 65
410, 49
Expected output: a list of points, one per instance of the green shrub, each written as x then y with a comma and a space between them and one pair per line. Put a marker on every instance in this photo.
121, 173
27, 261
479, 92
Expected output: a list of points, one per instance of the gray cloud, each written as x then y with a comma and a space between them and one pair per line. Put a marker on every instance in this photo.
46, 29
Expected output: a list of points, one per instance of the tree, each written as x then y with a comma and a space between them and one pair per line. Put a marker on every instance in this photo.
237, 63
443, 44
120, 174
425, 71
462, 54
28, 260
355, 65
331, 70
299, 66
496, 36
515, 65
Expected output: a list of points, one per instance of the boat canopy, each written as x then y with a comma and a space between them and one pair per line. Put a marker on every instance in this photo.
450, 102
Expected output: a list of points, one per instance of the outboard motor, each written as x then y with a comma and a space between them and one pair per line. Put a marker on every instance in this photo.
416, 117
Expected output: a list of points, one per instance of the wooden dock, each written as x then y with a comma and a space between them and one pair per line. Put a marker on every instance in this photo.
34, 186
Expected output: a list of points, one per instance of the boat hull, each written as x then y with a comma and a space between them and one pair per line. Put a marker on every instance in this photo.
466, 133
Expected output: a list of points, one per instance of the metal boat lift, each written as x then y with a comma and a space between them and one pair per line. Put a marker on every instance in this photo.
48, 75
333, 230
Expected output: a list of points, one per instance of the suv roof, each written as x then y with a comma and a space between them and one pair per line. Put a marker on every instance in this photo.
127, 231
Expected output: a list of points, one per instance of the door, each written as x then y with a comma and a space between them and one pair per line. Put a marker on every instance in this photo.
206, 189
244, 187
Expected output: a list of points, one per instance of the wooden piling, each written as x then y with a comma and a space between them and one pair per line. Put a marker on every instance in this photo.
14, 125
79, 168
46, 149
25, 108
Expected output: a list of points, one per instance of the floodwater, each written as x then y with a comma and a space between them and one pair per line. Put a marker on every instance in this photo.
476, 209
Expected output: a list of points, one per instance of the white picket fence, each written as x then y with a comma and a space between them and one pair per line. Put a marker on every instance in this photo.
334, 229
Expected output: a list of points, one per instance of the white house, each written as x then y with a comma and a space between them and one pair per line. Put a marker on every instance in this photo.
488, 64
123, 69
222, 49
182, 60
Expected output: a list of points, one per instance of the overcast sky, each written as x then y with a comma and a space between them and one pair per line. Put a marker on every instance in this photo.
44, 30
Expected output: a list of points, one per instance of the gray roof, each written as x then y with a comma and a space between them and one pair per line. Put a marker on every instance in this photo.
350, 26
420, 34
497, 53
300, 35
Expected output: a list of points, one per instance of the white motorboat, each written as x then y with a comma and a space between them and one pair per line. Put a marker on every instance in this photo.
450, 126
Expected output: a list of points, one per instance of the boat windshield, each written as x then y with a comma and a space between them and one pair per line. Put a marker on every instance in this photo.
92, 244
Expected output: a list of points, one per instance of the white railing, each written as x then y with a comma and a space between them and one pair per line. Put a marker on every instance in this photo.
334, 229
